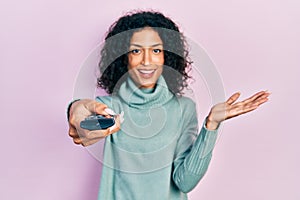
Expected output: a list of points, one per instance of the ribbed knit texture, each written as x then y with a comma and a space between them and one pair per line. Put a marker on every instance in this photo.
157, 154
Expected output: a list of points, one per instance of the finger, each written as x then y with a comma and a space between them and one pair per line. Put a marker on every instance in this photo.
261, 100
96, 107
265, 94
94, 137
109, 111
75, 119
255, 96
239, 110
96, 134
233, 98
116, 126
73, 132
90, 142
77, 140
247, 108
72, 120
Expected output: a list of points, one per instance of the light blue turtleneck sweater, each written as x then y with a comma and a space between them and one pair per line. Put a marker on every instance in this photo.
159, 153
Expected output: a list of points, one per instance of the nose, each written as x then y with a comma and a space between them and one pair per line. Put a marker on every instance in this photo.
146, 57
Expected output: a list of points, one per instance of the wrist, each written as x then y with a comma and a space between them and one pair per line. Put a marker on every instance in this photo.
211, 124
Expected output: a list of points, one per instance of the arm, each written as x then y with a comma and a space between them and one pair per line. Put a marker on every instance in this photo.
77, 112
192, 159
193, 154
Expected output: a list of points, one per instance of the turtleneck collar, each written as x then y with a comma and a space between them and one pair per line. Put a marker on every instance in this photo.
145, 98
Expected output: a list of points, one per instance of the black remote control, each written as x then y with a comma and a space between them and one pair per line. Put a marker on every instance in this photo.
97, 122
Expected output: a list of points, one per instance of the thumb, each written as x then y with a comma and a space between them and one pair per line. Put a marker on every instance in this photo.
96, 107
233, 98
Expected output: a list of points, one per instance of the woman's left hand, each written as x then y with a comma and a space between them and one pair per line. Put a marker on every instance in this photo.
230, 109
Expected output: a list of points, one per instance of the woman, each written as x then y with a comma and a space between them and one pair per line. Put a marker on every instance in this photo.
156, 153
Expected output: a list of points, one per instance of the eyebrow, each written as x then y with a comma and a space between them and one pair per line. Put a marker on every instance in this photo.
154, 45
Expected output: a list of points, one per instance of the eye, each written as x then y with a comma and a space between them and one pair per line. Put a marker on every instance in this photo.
156, 51
135, 51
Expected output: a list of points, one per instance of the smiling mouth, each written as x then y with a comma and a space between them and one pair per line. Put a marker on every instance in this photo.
144, 71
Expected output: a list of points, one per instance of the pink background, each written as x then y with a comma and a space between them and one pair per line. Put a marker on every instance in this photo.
254, 44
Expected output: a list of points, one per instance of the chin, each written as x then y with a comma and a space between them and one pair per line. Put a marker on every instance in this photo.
147, 84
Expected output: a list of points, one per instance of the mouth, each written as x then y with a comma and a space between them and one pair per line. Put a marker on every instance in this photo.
146, 73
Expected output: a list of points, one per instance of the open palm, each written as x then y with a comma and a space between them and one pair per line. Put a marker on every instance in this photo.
231, 108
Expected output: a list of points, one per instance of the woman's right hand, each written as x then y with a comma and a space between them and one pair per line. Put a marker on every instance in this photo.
78, 112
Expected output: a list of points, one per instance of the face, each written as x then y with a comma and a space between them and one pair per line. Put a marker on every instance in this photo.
145, 57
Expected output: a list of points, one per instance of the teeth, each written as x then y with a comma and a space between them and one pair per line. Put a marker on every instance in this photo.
146, 71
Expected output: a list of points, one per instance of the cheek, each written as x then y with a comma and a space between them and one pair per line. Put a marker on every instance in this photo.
159, 59
133, 61
129, 62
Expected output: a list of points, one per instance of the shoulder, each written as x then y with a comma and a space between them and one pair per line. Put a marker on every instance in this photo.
188, 107
186, 102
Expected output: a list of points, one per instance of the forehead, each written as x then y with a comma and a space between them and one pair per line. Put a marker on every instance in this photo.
146, 37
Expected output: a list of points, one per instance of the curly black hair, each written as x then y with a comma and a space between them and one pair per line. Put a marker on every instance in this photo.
114, 60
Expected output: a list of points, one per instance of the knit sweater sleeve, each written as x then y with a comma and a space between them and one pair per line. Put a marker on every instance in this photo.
193, 152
